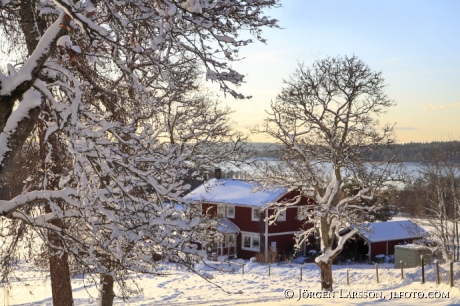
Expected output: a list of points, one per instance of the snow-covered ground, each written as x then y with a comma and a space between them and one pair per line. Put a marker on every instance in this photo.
180, 287
255, 286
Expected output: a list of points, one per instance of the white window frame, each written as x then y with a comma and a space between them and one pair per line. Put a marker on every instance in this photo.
302, 212
251, 242
253, 210
227, 211
220, 210
281, 215
199, 208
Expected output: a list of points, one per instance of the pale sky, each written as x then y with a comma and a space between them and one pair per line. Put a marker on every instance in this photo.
415, 44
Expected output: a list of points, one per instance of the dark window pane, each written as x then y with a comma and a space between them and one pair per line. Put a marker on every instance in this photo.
255, 242
246, 241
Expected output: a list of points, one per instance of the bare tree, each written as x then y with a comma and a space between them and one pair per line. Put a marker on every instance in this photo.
325, 117
436, 193
197, 125
88, 72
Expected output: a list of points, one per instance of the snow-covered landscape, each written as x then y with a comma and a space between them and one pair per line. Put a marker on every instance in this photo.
245, 282
124, 178
179, 287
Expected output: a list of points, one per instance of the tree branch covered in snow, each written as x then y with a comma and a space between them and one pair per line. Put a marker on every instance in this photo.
129, 45
104, 91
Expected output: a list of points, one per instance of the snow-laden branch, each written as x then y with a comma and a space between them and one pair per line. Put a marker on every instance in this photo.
29, 71
66, 194
104, 129
43, 220
31, 100
332, 252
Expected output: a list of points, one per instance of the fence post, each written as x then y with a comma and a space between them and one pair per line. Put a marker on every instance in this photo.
402, 269
268, 269
300, 273
377, 271
348, 277
437, 273
423, 268
242, 269
451, 273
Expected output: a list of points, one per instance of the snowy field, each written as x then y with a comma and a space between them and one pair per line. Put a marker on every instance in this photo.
255, 286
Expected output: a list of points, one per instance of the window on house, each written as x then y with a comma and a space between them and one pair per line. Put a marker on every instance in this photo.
246, 242
230, 211
251, 242
255, 214
230, 240
281, 216
221, 210
302, 212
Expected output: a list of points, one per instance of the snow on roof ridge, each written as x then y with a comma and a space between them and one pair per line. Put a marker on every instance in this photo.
235, 191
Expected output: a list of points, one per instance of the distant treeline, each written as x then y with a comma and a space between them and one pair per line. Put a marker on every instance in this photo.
413, 152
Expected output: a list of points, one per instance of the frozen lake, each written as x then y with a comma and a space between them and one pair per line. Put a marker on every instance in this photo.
409, 170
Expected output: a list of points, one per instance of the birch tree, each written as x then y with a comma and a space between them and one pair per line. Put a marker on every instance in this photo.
326, 119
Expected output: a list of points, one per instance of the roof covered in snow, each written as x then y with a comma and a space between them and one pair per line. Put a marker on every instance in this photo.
226, 226
237, 192
393, 230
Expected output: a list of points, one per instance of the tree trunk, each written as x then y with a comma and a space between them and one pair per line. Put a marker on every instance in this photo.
59, 270
52, 170
456, 236
326, 275
107, 294
61, 286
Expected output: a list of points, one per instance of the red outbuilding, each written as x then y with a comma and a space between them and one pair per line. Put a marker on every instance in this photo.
378, 238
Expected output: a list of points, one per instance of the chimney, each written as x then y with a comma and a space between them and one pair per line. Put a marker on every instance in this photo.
218, 173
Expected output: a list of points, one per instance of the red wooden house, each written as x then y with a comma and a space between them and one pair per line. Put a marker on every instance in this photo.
241, 207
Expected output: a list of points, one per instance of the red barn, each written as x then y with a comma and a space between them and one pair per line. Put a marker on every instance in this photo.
241, 207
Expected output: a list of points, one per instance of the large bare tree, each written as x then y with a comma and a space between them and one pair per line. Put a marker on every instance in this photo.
83, 78
326, 119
